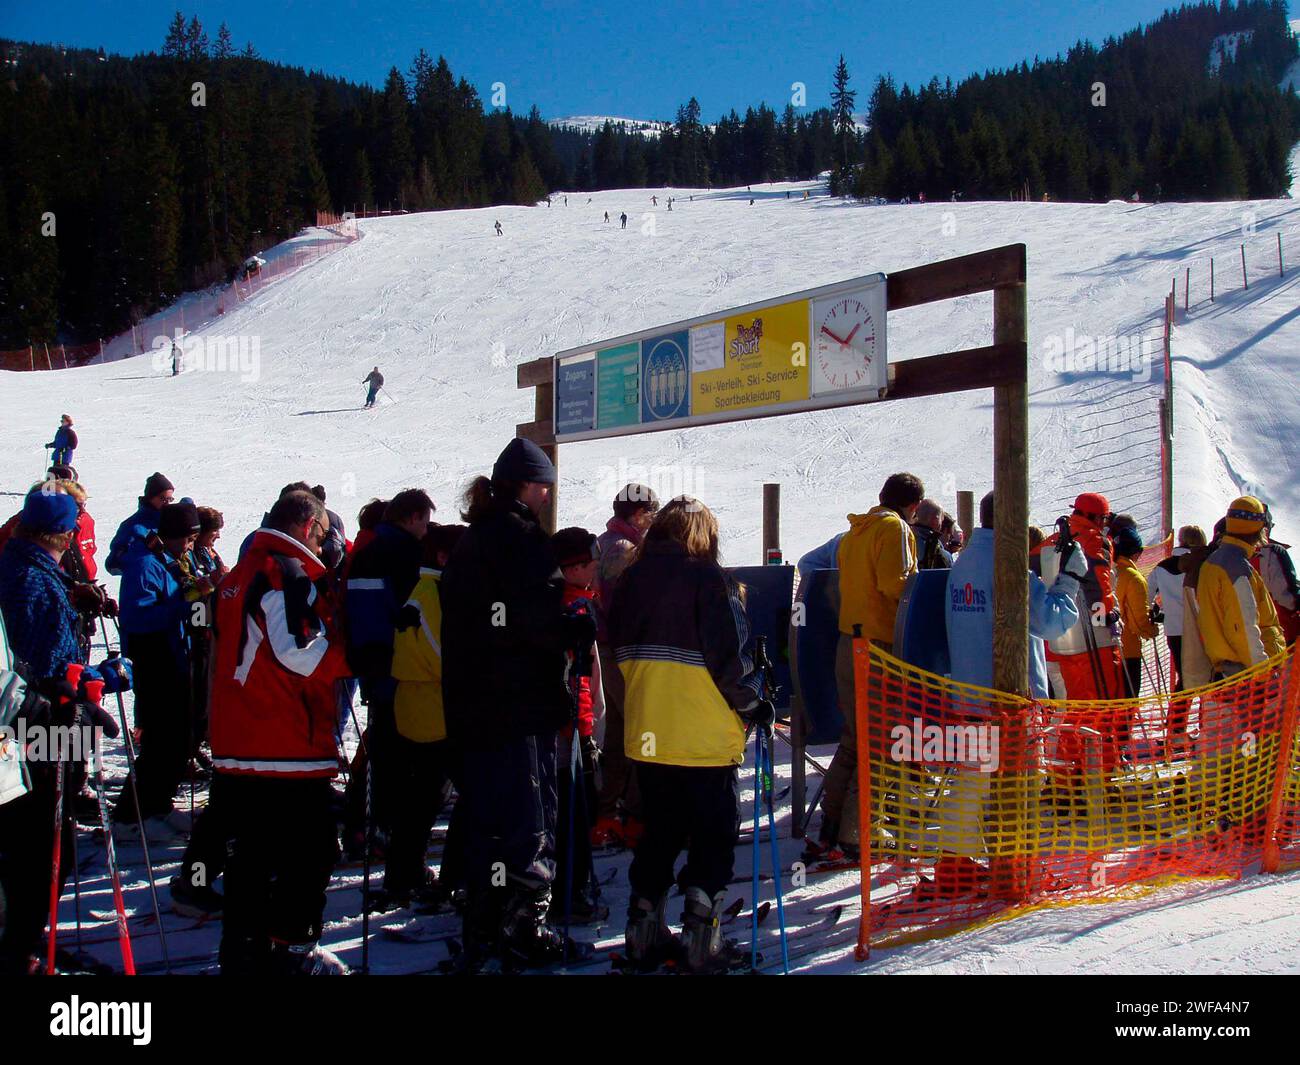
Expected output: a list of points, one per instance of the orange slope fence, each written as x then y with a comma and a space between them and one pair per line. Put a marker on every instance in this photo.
983, 806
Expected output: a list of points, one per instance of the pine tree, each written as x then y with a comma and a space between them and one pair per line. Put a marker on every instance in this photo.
842, 99
35, 284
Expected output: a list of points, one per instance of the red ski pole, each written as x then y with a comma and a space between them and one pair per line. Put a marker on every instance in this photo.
124, 937
58, 855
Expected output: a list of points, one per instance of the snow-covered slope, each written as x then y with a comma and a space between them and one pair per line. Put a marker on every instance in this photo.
595, 123
447, 309
1224, 48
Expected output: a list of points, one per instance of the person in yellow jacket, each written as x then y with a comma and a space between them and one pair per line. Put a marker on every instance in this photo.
679, 634
875, 558
1134, 611
1237, 620
423, 758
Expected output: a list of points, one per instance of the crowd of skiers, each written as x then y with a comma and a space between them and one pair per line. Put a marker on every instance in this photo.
1226, 606
575, 690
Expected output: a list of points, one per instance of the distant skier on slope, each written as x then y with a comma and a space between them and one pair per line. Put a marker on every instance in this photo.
64, 442
606, 216
498, 228
376, 381
623, 218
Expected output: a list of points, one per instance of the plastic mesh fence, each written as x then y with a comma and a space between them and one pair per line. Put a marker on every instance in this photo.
982, 806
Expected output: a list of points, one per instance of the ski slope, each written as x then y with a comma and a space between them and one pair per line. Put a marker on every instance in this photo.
447, 310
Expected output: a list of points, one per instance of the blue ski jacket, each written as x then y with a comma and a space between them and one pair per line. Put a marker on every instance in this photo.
38, 615
136, 528
1052, 612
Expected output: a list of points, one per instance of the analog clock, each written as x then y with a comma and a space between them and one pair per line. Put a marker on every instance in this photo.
845, 345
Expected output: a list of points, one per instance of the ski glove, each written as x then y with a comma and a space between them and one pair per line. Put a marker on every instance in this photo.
1075, 563
579, 628
762, 714
117, 673
407, 618
1157, 615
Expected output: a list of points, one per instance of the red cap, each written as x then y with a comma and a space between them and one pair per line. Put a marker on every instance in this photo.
1092, 503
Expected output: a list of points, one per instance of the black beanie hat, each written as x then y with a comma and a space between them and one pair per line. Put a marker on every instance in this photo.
157, 485
522, 460
178, 519
574, 546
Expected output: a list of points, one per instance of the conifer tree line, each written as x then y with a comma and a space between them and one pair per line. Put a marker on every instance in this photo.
1143, 113
122, 184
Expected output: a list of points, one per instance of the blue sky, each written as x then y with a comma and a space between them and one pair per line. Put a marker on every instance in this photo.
636, 59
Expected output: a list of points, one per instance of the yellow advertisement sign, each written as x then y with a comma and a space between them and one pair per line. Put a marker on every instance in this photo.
761, 360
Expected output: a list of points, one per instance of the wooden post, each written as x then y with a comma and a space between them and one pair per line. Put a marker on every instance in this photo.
1187, 289
771, 520
48, 364
966, 513
1211, 280
544, 410
1010, 875
1244, 283
1280, 271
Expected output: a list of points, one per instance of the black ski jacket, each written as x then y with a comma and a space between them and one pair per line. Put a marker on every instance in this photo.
504, 633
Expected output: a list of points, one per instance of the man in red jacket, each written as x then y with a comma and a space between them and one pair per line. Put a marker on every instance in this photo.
278, 655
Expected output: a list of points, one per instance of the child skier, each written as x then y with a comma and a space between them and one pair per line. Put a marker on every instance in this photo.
578, 555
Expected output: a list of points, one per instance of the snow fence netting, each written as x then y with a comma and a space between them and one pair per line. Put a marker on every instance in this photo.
982, 806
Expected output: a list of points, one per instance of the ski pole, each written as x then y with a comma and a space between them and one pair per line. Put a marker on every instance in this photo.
570, 844
59, 780
128, 745
367, 837
758, 829
776, 861
110, 856
76, 884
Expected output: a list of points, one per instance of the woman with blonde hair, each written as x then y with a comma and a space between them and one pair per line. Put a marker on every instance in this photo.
678, 631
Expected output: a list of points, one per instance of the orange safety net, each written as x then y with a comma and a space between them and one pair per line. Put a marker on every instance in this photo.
983, 806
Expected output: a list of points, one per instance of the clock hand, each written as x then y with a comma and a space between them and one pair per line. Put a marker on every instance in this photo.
832, 335
849, 339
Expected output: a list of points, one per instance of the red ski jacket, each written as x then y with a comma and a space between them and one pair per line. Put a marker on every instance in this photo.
278, 652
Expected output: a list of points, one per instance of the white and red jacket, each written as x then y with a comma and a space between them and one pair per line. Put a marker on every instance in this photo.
278, 653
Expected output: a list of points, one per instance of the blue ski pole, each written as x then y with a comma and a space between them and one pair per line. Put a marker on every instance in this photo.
758, 831
776, 859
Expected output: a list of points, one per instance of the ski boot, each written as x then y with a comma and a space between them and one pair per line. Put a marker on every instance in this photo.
305, 959
704, 949
527, 940
480, 933
648, 942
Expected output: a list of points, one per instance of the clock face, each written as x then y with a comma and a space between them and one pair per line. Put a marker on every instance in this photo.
844, 345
